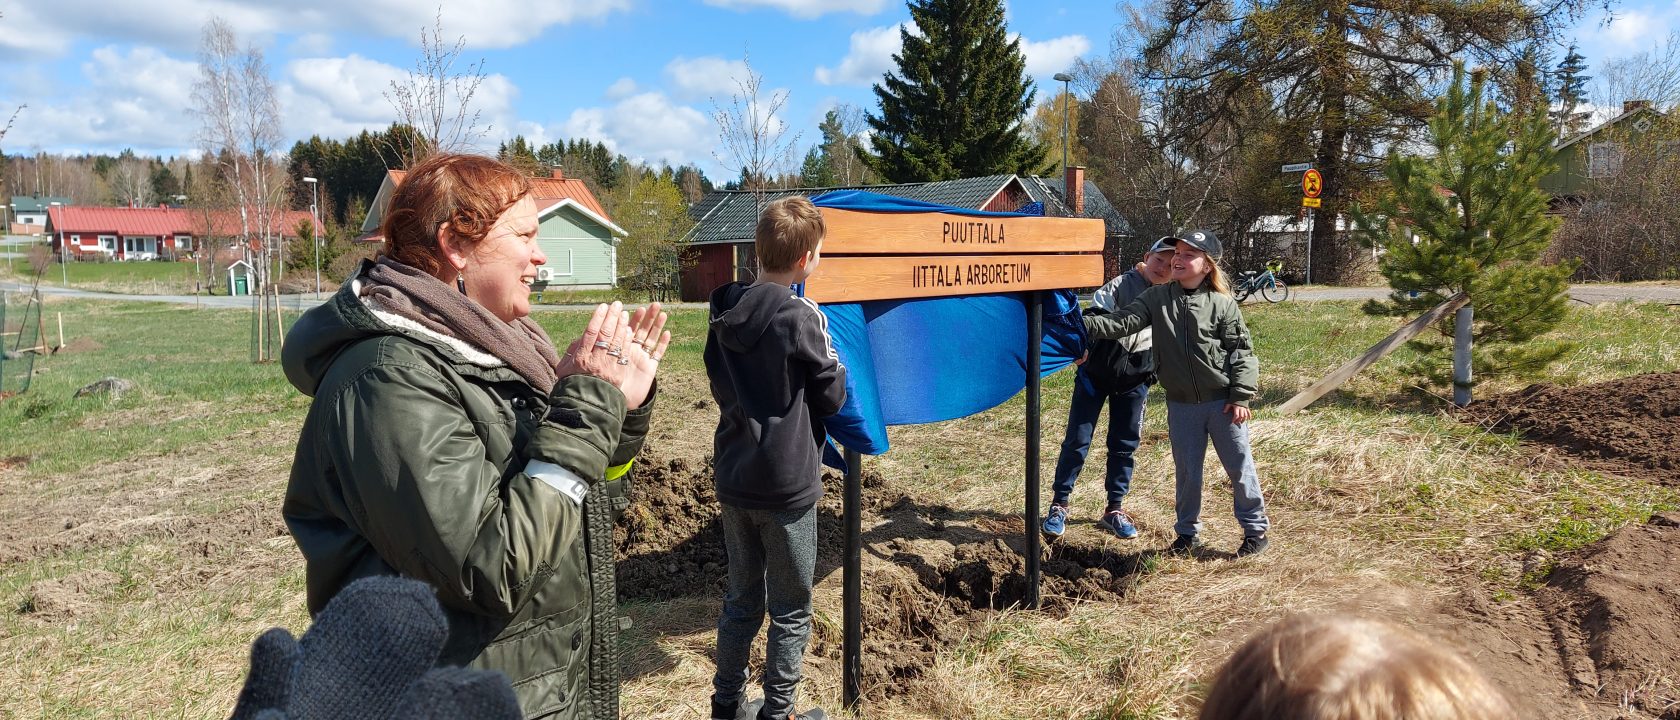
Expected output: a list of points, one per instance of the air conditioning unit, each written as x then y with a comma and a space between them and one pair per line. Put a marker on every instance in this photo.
544, 274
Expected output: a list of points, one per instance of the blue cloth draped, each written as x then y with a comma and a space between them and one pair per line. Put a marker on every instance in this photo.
928, 360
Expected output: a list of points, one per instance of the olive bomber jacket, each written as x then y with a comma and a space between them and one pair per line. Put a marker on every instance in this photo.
1203, 351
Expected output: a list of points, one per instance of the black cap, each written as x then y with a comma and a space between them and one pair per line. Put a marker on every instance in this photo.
1202, 240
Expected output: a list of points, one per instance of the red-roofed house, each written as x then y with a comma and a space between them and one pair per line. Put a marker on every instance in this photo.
576, 234
120, 233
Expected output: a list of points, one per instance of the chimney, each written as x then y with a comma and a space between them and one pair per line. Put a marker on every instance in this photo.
1632, 105
558, 174
1073, 188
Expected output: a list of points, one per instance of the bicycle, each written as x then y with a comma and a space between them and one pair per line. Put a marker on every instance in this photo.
1265, 282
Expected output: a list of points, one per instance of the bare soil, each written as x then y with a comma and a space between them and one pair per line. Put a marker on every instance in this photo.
1615, 613
1626, 424
932, 575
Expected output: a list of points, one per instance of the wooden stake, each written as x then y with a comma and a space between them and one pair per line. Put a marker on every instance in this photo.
279, 324
1377, 352
60, 329
1461, 356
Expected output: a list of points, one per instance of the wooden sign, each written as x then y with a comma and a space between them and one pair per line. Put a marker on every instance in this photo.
852, 232
854, 279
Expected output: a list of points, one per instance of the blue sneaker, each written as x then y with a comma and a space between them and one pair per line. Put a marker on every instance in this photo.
1055, 522
1119, 523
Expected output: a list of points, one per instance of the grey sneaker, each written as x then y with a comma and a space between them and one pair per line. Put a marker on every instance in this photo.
809, 714
1252, 545
1185, 545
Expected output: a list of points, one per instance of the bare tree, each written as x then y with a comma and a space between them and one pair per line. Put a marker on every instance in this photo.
435, 100
240, 129
756, 144
1653, 75
131, 181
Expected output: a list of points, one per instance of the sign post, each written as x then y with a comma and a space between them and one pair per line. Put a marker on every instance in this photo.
1312, 185
894, 256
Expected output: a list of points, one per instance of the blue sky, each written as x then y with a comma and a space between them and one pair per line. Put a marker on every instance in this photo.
640, 75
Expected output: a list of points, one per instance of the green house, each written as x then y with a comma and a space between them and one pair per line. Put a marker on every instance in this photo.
576, 234
1597, 153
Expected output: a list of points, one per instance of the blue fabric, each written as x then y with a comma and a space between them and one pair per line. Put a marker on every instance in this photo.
920, 361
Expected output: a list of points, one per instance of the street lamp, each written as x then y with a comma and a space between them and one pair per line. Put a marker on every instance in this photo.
6, 231
1064, 79
315, 215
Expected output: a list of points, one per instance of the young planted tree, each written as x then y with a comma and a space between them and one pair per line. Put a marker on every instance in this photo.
755, 140
954, 106
435, 99
1469, 216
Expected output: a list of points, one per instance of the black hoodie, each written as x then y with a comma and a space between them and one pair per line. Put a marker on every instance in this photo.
774, 375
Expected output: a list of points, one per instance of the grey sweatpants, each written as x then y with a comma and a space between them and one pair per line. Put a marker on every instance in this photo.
772, 559
1189, 426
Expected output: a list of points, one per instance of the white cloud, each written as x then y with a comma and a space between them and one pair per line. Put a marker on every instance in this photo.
139, 98
705, 77
1048, 57
1630, 27
176, 24
337, 97
647, 127
869, 57
624, 87
312, 45
805, 9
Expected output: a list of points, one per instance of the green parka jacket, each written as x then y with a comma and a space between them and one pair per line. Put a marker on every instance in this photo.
424, 457
1202, 347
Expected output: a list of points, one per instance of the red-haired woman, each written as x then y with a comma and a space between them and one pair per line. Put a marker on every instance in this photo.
448, 441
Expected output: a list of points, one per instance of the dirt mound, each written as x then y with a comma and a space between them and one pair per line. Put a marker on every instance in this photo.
668, 541
71, 596
931, 574
1627, 422
1615, 609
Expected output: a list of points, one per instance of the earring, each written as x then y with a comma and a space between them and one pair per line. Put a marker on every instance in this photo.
461, 283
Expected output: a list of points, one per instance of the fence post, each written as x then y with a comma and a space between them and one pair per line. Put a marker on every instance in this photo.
1461, 357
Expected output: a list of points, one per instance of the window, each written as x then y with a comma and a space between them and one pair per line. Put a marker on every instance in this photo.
108, 243
746, 262
558, 269
183, 242
76, 240
1604, 159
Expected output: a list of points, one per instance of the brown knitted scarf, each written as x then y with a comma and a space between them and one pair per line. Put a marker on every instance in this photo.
408, 293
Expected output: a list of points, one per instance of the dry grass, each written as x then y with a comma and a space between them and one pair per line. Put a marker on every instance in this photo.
146, 604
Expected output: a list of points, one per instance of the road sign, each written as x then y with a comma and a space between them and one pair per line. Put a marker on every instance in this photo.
1297, 167
1312, 184
1311, 202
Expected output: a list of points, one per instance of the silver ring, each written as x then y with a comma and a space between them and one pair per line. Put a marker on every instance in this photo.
615, 352
602, 344
654, 357
624, 361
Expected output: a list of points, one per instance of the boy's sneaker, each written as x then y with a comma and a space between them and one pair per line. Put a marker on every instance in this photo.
1055, 521
1252, 545
1118, 523
1184, 545
809, 714
735, 711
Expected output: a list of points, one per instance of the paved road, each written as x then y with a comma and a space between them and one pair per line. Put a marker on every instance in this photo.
1589, 294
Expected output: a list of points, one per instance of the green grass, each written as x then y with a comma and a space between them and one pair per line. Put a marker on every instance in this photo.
1372, 484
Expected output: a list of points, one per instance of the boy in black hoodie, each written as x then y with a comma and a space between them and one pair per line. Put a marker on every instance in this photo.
774, 375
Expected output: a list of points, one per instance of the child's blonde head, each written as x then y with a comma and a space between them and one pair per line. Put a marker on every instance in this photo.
1342, 668
787, 230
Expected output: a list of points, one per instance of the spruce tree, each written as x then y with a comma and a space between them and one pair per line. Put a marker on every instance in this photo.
1570, 92
955, 105
1469, 216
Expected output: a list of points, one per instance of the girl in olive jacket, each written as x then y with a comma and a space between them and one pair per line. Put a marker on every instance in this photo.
1205, 363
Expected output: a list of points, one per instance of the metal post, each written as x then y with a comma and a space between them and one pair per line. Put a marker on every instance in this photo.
1461, 357
1311, 213
315, 215
1035, 343
851, 644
